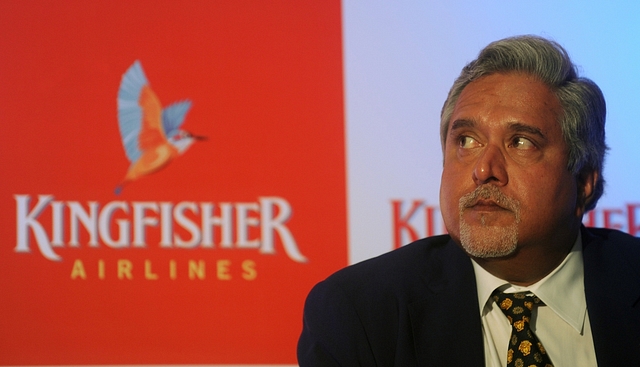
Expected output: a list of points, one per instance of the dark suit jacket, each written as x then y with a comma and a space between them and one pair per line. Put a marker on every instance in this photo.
418, 306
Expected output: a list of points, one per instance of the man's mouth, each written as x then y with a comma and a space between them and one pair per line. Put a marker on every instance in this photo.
488, 198
486, 205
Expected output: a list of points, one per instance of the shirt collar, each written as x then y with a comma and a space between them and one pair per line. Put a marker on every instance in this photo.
562, 290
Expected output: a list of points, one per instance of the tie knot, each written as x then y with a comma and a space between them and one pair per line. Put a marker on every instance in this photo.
516, 306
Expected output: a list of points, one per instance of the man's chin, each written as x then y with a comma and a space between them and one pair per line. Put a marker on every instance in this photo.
487, 242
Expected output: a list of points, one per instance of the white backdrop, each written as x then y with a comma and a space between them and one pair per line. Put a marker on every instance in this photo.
401, 58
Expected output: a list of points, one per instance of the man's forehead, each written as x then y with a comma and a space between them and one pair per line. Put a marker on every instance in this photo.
510, 97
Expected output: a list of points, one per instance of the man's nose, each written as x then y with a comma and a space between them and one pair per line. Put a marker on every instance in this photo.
490, 167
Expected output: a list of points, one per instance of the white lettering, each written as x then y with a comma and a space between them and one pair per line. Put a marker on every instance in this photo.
223, 221
244, 222
58, 224
104, 225
271, 225
89, 220
140, 221
166, 224
26, 220
187, 224
258, 225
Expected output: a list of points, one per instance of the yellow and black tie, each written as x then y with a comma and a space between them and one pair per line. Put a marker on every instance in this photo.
525, 350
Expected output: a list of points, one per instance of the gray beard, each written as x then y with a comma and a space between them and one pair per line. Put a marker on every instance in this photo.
489, 241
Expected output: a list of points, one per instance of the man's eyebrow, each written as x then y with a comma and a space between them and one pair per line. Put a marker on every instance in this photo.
523, 128
517, 127
461, 124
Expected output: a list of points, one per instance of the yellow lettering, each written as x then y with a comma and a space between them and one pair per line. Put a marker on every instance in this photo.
124, 269
101, 269
173, 269
223, 269
78, 270
148, 273
249, 271
196, 269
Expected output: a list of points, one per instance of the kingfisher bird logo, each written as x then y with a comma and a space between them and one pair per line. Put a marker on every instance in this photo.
151, 135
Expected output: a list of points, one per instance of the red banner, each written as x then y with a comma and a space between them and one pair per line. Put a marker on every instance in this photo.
173, 178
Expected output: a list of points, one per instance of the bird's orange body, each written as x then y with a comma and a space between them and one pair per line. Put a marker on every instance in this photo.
150, 134
157, 152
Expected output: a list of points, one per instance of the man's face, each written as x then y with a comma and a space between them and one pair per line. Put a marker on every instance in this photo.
505, 183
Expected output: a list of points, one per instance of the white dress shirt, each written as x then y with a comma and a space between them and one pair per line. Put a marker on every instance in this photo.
561, 324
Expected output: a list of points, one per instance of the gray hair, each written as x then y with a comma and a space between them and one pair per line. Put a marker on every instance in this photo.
584, 108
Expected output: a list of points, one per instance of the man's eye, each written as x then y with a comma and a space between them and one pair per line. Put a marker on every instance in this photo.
522, 143
467, 142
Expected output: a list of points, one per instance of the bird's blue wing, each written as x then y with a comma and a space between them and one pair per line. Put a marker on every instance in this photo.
129, 110
173, 117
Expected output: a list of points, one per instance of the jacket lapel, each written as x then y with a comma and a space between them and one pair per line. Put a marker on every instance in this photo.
446, 324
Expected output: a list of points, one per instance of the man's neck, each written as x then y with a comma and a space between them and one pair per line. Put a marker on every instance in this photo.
529, 264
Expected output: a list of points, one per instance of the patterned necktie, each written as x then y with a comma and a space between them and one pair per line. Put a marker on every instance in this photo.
525, 350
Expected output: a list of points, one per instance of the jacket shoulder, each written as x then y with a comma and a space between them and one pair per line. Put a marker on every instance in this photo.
398, 277
611, 241
409, 261
610, 246
360, 314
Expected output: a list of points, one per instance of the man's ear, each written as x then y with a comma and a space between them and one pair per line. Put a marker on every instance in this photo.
586, 181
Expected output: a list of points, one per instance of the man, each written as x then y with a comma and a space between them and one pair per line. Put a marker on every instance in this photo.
523, 145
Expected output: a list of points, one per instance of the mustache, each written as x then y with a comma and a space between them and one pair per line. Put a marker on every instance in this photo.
489, 192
